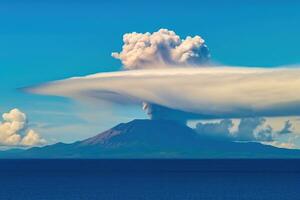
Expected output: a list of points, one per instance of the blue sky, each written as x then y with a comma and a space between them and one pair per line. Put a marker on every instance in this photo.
42, 41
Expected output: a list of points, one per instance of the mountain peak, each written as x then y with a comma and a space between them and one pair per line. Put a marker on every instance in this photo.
154, 139
143, 131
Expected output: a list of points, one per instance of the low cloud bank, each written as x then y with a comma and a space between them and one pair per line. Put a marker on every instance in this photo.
14, 131
248, 130
163, 48
216, 129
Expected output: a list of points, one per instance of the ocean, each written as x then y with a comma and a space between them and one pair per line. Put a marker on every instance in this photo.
150, 179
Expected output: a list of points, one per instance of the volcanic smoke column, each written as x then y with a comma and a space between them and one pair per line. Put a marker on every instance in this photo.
162, 49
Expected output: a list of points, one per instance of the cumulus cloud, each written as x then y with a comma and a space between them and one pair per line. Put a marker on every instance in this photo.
248, 129
211, 93
219, 129
252, 129
163, 48
14, 131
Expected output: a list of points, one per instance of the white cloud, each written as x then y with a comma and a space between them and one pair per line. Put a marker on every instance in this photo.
14, 131
220, 129
254, 129
214, 92
32, 138
248, 129
163, 48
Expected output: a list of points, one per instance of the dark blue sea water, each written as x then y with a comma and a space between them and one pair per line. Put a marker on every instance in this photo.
150, 179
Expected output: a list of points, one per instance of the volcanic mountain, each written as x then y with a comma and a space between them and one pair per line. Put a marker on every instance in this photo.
153, 139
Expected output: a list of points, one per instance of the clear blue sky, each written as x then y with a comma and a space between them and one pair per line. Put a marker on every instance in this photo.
42, 41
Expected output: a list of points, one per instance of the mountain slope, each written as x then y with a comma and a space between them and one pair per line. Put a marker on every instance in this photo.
154, 139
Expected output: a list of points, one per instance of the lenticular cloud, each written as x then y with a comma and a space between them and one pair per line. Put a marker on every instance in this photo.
209, 92
163, 48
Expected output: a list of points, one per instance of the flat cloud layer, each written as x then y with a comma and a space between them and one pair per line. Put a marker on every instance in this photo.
210, 92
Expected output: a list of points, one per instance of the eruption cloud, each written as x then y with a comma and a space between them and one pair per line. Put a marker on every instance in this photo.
161, 49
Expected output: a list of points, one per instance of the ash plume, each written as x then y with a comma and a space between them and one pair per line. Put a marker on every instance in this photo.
162, 49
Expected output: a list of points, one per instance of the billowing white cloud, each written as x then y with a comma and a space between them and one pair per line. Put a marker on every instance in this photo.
163, 48
248, 130
219, 129
214, 92
32, 138
252, 129
14, 131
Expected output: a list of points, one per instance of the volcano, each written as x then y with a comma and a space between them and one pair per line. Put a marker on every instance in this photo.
153, 139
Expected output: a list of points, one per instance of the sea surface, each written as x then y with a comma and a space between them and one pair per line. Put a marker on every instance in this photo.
150, 179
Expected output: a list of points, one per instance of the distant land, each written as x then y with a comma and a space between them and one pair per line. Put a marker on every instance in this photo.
152, 139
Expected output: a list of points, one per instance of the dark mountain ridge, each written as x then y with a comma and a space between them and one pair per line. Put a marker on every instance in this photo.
153, 139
